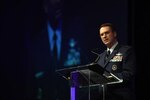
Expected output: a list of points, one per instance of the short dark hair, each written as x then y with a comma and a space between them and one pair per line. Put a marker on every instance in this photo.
109, 25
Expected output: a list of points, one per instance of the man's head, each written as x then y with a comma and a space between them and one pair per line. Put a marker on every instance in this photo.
108, 34
53, 8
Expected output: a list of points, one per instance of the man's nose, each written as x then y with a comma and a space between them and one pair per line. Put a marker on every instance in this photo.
104, 35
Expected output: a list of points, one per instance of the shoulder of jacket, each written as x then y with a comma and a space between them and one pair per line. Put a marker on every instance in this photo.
125, 48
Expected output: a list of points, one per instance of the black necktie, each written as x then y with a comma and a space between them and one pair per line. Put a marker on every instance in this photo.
55, 48
108, 53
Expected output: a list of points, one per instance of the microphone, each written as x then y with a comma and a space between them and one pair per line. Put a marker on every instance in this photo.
95, 51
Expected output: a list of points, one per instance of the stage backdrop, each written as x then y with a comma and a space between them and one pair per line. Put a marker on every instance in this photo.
41, 36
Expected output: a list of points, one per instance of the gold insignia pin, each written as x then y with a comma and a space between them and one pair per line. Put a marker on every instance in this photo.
114, 67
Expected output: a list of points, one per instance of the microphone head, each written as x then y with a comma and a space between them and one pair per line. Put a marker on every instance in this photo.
96, 51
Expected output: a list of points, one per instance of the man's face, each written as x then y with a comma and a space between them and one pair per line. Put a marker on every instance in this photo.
53, 8
107, 36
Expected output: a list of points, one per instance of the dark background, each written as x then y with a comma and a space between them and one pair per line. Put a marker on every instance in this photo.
21, 20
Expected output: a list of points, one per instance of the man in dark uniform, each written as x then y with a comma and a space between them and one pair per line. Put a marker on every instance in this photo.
48, 53
119, 60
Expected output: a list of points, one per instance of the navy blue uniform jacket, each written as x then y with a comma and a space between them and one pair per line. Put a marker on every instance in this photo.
121, 63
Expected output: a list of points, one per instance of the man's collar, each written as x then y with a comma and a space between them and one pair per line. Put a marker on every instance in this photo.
112, 48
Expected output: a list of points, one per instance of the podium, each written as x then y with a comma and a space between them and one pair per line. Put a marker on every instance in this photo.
87, 76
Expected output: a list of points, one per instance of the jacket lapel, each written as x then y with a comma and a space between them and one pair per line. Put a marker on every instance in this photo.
102, 61
112, 54
109, 58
